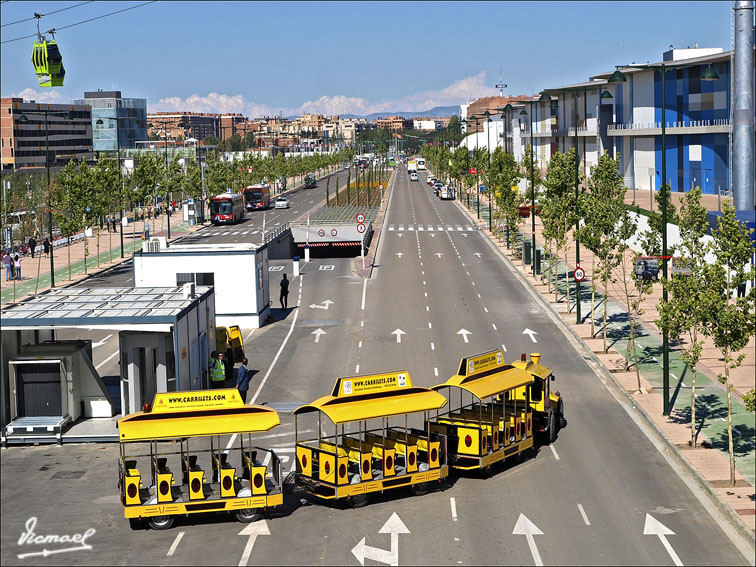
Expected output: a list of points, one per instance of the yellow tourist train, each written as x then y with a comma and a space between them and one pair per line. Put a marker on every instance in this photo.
381, 433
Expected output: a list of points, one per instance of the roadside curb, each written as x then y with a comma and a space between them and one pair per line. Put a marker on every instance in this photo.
372, 252
625, 397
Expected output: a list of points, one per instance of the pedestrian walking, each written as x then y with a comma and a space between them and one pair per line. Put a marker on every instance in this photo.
17, 266
217, 370
8, 263
146, 230
107, 223
32, 246
46, 247
242, 380
284, 298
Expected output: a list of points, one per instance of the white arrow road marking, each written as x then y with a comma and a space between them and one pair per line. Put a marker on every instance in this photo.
398, 334
399, 254
102, 342
531, 334
438, 254
393, 526
399, 234
317, 332
252, 530
325, 305
464, 333
528, 529
655, 527
478, 254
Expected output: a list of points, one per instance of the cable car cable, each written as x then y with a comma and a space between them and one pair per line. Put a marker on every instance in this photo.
82, 22
48, 14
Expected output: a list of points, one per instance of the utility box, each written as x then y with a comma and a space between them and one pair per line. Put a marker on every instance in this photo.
527, 249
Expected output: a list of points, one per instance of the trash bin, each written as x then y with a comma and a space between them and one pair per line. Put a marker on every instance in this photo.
527, 249
538, 256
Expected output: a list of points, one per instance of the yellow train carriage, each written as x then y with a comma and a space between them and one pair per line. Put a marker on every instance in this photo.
361, 457
547, 403
188, 469
489, 423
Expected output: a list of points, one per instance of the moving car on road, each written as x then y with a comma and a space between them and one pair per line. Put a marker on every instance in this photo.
167, 449
413, 176
309, 181
281, 203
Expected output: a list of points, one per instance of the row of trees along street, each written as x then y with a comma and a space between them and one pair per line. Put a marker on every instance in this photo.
703, 304
82, 195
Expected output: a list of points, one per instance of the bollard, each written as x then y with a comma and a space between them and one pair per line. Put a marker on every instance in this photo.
307, 253
526, 255
296, 265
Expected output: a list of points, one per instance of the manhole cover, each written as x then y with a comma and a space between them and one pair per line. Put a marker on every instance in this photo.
67, 475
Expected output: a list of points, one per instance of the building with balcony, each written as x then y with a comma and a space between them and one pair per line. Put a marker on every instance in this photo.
184, 125
28, 129
107, 106
624, 119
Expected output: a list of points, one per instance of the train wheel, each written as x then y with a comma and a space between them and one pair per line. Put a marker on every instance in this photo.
420, 488
249, 515
552, 426
360, 500
160, 522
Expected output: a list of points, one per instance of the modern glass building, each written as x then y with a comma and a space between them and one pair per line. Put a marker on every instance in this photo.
121, 120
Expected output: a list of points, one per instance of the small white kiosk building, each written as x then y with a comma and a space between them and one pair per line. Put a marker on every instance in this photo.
239, 273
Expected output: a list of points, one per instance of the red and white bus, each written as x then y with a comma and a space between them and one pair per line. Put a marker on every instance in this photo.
257, 196
227, 208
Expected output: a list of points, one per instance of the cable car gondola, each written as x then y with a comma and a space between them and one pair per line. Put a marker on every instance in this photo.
47, 60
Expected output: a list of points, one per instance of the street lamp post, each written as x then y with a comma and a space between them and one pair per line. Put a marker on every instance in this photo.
165, 142
24, 118
619, 77
120, 172
488, 146
477, 179
543, 98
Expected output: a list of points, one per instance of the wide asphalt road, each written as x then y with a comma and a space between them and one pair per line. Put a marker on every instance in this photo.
589, 496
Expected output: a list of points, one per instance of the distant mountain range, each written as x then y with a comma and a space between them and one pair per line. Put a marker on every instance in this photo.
437, 112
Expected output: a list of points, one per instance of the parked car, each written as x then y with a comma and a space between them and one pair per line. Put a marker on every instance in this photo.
281, 203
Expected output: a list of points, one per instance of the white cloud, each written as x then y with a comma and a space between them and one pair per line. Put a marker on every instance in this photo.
456, 93
213, 102
51, 96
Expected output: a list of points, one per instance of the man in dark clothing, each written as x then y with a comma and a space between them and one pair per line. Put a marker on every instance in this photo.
242, 380
32, 246
46, 247
284, 299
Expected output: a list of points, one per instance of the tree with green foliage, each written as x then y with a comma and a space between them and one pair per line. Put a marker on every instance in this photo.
147, 174
503, 174
607, 226
106, 194
729, 320
69, 200
681, 314
558, 212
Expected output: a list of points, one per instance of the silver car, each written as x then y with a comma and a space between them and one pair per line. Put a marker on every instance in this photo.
281, 203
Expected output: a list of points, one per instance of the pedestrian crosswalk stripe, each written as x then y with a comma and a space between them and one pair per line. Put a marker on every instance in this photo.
459, 227
391, 227
235, 233
468, 228
420, 227
410, 227
440, 227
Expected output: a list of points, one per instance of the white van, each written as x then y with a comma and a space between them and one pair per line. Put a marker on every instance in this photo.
413, 176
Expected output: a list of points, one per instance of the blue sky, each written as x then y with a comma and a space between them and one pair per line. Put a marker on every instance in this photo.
338, 57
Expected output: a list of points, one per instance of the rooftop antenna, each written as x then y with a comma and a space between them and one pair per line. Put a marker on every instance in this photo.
501, 86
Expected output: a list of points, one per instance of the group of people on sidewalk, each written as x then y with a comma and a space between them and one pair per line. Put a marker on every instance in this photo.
218, 375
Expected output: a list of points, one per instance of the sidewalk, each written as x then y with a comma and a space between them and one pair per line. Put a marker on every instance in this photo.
35, 273
710, 459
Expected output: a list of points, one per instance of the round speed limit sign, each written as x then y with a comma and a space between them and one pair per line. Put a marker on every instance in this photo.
360, 218
579, 274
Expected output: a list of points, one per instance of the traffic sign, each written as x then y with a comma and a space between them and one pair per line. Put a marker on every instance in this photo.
381, 187
579, 274
473, 171
361, 228
360, 218
334, 232
321, 233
